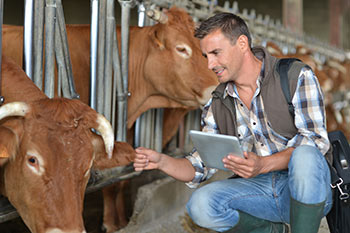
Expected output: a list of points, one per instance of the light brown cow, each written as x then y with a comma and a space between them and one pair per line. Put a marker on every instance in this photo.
166, 67
334, 78
49, 150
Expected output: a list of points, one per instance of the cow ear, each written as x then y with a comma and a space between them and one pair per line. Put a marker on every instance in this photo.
157, 37
8, 144
123, 154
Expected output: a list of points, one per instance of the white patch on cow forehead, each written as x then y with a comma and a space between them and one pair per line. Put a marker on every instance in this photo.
56, 230
41, 163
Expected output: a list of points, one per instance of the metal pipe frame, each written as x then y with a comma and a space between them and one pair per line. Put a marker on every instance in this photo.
50, 15
28, 38
1, 22
110, 28
118, 94
100, 55
93, 50
38, 43
62, 81
62, 34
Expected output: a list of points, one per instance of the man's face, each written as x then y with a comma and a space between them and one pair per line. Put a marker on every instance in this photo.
224, 57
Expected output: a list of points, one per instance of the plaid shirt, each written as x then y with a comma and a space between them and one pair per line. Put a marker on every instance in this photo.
254, 130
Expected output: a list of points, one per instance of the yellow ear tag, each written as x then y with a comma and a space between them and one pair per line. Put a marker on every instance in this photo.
3, 152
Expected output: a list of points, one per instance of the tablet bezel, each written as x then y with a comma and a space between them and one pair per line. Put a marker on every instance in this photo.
212, 148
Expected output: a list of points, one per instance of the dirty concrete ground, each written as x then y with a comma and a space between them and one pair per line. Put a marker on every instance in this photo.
175, 221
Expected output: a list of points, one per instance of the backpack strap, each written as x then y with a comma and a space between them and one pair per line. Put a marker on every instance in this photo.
283, 66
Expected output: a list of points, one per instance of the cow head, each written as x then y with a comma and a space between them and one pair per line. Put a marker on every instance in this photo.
50, 149
174, 68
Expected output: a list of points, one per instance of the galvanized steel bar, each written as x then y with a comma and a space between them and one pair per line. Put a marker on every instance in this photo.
125, 23
119, 94
141, 23
38, 43
62, 33
158, 137
125, 8
50, 15
1, 22
62, 81
110, 27
100, 55
93, 50
28, 38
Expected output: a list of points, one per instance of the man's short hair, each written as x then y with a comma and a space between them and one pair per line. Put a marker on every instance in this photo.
231, 25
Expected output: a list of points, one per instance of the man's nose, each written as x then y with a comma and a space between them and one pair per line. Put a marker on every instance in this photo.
211, 63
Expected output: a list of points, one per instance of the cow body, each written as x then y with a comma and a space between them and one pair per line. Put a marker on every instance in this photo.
166, 70
166, 66
48, 151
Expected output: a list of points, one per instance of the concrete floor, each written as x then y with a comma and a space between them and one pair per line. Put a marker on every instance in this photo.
160, 208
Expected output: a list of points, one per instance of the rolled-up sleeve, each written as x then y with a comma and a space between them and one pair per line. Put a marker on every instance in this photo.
202, 173
310, 117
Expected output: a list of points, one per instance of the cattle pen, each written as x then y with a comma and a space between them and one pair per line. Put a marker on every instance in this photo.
47, 60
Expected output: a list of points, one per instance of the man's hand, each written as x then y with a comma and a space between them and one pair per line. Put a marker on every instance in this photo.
249, 166
146, 159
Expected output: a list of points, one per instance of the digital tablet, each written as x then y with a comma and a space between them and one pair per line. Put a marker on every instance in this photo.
214, 147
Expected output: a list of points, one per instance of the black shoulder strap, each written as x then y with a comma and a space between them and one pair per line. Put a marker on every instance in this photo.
283, 66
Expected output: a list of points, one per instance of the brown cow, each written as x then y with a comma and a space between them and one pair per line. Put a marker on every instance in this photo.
48, 149
166, 67
167, 70
334, 79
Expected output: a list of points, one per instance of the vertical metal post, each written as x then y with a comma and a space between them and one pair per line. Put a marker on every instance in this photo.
93, 50
141, 23
100, 55
28, 38
125, 10
119, 94
50, 15
61, 34
110, 27
38, 43
158, 138
1, 21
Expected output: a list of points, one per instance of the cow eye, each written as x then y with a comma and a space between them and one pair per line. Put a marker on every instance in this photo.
32, 160
184, 50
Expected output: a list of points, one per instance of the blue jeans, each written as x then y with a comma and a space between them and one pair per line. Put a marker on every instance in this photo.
266, 196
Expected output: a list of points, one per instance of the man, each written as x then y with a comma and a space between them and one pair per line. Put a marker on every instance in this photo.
284, 177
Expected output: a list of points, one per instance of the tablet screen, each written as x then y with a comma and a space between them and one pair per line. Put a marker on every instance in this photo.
212, 148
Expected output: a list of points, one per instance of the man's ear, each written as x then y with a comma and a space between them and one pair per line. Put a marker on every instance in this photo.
8, 144
242, 42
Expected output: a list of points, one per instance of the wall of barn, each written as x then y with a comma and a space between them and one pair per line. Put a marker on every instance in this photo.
316, 14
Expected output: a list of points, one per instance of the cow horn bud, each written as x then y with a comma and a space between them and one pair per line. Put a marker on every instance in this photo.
13, 109
106, 131
157, 16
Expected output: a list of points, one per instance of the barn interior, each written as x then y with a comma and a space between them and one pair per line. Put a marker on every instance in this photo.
323, 25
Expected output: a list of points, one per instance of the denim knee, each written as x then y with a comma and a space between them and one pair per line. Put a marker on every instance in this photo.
309, 176
198, 208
